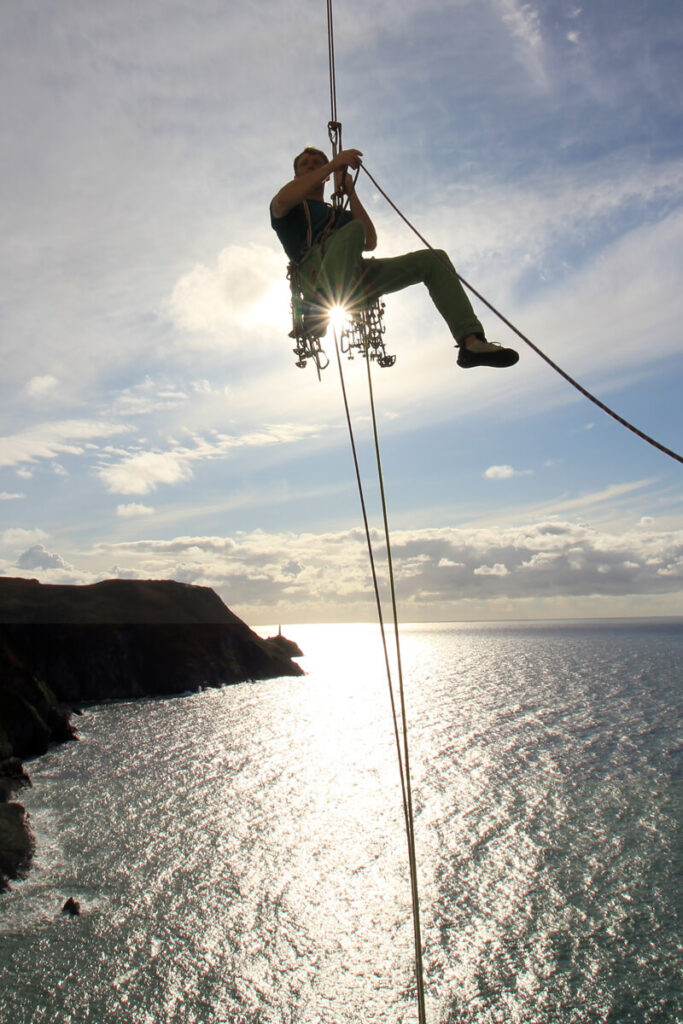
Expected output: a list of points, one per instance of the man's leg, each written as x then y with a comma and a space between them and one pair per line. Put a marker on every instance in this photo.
346, 279
339, 277
435, 270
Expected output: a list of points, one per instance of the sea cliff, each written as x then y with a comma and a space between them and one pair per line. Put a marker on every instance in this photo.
62, 646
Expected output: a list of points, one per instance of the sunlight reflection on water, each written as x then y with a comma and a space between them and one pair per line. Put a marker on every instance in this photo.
242, 858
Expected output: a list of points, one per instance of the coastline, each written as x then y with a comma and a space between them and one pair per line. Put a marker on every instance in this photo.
62, 646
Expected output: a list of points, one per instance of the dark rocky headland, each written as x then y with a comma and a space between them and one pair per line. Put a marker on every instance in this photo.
63, 646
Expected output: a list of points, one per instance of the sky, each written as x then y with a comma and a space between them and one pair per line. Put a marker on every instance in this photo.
153, 423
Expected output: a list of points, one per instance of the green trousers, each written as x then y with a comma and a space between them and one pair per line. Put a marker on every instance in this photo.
346, 279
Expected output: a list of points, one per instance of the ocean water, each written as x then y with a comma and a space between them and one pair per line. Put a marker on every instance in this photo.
240, 854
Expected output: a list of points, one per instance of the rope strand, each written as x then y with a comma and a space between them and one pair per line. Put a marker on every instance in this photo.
401, 750
373, 572
419, 971
334, 131
333, 74
558, 369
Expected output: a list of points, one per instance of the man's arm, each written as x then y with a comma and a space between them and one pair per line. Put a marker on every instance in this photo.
358, 212
300, 188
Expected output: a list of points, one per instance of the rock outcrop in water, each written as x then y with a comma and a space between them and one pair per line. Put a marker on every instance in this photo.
61, 646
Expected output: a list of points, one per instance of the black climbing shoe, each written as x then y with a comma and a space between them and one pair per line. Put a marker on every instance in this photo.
481, 352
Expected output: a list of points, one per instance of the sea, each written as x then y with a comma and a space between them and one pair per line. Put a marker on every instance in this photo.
240, 854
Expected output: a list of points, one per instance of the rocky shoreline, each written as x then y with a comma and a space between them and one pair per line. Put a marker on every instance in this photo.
61, 646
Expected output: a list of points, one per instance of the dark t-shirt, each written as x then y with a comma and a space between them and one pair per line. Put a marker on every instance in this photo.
292, 229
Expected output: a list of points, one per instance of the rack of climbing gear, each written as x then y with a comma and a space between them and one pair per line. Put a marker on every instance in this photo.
362, 333
305, 332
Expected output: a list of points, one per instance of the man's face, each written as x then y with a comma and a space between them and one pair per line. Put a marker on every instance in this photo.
308, 162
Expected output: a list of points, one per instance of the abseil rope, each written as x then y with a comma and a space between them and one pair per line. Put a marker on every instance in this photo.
558, 369
333, 74
334, 132
402, 752
419, 972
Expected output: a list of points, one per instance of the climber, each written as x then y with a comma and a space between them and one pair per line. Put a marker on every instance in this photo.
327, 243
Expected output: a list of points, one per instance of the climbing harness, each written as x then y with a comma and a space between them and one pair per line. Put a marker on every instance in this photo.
363, 330
362, 333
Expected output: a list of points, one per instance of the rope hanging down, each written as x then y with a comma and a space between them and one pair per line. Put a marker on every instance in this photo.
334, 131
558, 369
401, 739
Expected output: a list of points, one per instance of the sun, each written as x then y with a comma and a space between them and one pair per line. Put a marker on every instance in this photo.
338, 318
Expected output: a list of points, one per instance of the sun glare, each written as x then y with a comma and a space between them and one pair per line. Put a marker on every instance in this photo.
338, 318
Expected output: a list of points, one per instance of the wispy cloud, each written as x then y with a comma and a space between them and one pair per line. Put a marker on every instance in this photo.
133, 510
524, 25
47, 440
505, 472
141, 472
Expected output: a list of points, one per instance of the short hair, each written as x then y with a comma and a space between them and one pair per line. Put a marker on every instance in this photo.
310, 149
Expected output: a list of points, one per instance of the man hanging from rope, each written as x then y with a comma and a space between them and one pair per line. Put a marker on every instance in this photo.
326, 245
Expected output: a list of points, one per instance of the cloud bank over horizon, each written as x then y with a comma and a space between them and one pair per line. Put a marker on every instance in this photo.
531, 570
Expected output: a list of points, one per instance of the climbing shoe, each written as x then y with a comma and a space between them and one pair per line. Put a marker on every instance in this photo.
480, 352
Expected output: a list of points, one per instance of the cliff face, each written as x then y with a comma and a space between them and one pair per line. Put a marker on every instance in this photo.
66, 645
131, 638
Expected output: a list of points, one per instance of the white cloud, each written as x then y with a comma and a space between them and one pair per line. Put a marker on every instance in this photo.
594, 498
326, 574
524, 25
491, 570
142, 472
511, 227
505, 472
6, 496
245, 288
38, 557
38, 387
47, 440
132, 510
148, 396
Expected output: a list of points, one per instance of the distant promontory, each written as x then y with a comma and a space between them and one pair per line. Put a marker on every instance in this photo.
62, 646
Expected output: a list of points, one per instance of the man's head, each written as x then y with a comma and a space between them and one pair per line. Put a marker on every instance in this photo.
309, 151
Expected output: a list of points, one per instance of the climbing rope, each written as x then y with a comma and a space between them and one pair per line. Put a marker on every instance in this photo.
400, 736
334, 132
558, 369
419, 972
330, 56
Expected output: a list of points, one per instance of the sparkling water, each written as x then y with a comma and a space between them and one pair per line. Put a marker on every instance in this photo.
240, 854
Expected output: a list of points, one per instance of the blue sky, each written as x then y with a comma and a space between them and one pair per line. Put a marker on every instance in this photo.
153, 422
